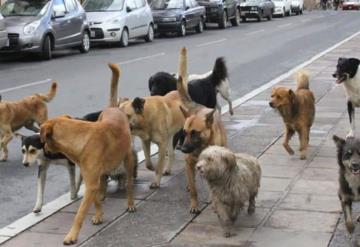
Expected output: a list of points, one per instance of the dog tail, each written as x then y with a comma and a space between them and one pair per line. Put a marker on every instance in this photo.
51, 94
220, 72
302, 79
183, 66
114, 84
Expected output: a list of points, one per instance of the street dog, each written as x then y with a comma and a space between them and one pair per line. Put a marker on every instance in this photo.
202, 88
203, 127
22, 113
347, 73
156, 119
233, 179
297, 110
98, 148
348, 156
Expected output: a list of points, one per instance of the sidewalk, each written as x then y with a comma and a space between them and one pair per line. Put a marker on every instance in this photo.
297, 204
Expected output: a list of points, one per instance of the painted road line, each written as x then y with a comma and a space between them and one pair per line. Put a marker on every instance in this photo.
142, 58
285, 25
54, 206
255, 32
31, 84
211, 42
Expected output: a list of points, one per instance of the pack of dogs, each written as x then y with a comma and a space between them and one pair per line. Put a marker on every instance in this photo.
182, 111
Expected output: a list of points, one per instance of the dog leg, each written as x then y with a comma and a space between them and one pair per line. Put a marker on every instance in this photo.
160, 165
42, 171
103, 187
99, 198
129, 163
73, 189
346, 206
351, 112
146, 148
190, 174
171, 154
289, 132
251, 207
6, 138
304, 142
30, 126
224, 219
231, 110
78, 182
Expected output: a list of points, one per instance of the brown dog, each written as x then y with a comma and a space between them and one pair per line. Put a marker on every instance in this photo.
156, 119
202, 128
297, 110
98, 148
23, 113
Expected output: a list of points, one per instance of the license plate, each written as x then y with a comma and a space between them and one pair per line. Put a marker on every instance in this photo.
92, 34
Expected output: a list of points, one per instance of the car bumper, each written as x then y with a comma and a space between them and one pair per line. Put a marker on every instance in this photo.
167, 26
99, 34
278, 12
213, 14
249, 13
295, 8
22, 43
351, 7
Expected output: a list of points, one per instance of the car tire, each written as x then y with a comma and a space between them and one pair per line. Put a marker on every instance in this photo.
223, 21
236, 20
200, 27
269, 17
243, 19
46, 51
301, 11
150, 34
85, 43
259, 19
182, 30
124, 39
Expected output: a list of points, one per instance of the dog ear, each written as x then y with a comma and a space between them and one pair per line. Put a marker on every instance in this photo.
339, 142
46, 131
209, 118
230, 160
138, 105
185, 112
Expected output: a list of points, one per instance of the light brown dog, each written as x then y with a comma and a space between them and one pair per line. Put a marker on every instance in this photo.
22, 113
203, 127
98, 148
156, 119
233, 179
297, 110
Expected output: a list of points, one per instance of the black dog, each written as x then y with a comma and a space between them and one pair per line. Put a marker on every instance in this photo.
347, 72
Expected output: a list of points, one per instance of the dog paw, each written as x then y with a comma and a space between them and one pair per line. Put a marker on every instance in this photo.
36, 210
303, 156
97, 220
194, 211
150, 167
227, 234
69, 239
350, 227
154, 185
73, 197
251, 210
358, 219
167, 172
231, 111
131, 209
350, 135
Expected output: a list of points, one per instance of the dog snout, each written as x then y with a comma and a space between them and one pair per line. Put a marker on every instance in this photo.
26, 164
334, 75
271, 104
187, 148
355, 165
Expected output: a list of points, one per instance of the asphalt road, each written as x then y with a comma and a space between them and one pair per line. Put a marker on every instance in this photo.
255, 53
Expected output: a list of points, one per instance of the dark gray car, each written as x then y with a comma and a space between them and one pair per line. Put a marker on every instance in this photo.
42, 26
257, 9
4, 41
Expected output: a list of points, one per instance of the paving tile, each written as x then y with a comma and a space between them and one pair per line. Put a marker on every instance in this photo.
276, 159
34, 239
320, 174
303, 220
279, 171
274, 184
268, 199
315, 187
324, 162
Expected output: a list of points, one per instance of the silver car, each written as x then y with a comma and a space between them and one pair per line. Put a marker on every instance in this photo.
45, 25
119, 20
4, 41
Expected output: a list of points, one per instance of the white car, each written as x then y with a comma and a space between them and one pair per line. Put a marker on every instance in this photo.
117, 21
297, 6
282, 8
4, 41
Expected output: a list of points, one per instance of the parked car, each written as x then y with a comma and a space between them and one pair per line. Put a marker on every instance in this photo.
222, 11
257, 9
42, 26
119, 20
282, 8
4, 41
178, 16
297, 6
351, 5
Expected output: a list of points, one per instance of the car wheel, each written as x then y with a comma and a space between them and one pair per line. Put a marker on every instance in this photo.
243, 19
85, 43
150, 35
260, 16
200, 26
301, 11
236, 20
283, 13
46, 52
124, 40
269, 17
182, 31
223, 21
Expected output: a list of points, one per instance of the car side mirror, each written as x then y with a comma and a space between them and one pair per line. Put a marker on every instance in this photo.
59, 14
187, 7
128, 9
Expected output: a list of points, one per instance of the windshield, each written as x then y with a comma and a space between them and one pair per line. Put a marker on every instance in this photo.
253, 1
24, 7
167, 4
103, 5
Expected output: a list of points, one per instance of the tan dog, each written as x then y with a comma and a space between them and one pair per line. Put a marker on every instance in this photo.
203, 127
98, 148
156, 119
23, 113
233, 179
297, 110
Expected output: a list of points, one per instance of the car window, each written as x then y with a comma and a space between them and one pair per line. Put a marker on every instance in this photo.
140, 3
59, 6
70, 5
194, 3
131, 4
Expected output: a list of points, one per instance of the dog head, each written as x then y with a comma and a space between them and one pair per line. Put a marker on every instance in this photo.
47, 132
346, 68
134, 111
348, 154
216, 162
161, 83
197, 131
281, 96
31, 148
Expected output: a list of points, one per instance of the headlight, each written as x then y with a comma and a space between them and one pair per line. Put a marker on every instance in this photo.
169, 19
31, 28
254, 8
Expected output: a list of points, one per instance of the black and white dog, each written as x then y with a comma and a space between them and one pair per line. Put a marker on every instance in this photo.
203, 88
347, 73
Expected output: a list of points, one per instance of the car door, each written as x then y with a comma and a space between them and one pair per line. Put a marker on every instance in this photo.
131, 18
230, 6
60, 23
142, 19
75, 20
189, 14
197, 11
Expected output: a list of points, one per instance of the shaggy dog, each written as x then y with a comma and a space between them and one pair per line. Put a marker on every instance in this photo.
233, 179
348, 155
23, 113
297, 110
347, 73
